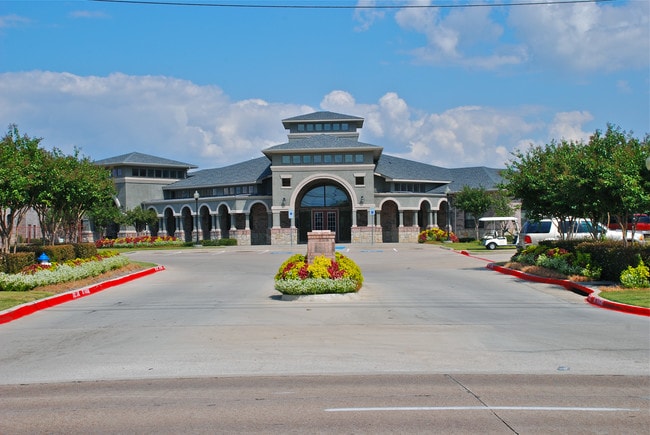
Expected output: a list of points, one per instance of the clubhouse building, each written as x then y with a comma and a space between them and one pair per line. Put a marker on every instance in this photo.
322, 178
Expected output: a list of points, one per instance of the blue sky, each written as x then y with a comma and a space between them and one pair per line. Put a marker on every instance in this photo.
209, 85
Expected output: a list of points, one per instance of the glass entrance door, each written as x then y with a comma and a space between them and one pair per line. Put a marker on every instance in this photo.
325, 220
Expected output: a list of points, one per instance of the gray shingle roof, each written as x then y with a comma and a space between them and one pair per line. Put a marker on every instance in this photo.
396, 168
479, 176
142, 160
322, 116
248, 172
320, 141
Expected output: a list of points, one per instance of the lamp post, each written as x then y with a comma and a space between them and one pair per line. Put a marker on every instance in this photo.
196, 210
447, 192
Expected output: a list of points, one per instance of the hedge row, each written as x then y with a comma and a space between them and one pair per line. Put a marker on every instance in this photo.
26, 255
611, 256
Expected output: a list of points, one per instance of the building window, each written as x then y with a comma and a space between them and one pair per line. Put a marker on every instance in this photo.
286, 160
338, 158
358, 158
348, 158
327, 159
306, 159
295, 160
301, 127
336, 126
286, 182
318, 159
359, 180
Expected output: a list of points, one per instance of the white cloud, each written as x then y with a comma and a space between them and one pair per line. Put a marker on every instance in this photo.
574, 37
366, 16
568, 126
460, 37
587, 36
177, 119
88, 14
12, 20
461, 136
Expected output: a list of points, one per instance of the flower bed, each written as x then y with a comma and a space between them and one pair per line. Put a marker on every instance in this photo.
297, 277
570, 264
39, 275
436, 235
132, 242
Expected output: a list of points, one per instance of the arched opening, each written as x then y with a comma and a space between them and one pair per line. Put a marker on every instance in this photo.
259, 221
170, 222
424, 214
224, 221
205, 224
390, 222
188, 224
324, 205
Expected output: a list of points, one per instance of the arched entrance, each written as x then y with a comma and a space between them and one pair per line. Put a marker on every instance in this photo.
424, 215
205, 225
324, 205
224, 221
188, 224
170, 222
390, 222
259, 222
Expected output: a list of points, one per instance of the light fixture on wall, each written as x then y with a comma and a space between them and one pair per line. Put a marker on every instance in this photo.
362, 200
284, 202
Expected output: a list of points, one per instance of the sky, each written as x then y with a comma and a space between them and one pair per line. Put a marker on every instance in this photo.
208, 83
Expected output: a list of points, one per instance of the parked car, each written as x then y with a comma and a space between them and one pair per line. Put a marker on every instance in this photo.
534, 232
639, 222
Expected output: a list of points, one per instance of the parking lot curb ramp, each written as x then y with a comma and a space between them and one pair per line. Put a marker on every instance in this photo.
19, 311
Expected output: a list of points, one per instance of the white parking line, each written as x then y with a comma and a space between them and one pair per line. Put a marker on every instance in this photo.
483, 408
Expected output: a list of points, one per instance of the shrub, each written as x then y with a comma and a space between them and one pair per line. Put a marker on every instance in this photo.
14, 263
613, 257
435, 235
84, 250
636, 277
41, 275
295, 276
132, 242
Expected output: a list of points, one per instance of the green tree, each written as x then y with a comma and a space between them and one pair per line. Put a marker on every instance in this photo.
141, 218
19, 178
74, 186
104, 214
475, 201
568, 180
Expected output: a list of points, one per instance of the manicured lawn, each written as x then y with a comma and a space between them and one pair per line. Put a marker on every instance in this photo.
638, 297
11, 299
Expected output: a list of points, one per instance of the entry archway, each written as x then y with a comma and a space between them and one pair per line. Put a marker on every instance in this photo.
324, 205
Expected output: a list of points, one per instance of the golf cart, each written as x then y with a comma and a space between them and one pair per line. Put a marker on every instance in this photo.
497, 228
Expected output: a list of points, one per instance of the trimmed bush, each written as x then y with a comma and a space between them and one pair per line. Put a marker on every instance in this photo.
84, 250
613, 258
14, 263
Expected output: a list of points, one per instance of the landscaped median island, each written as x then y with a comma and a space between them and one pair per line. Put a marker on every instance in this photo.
37, 271
619, 273
322, 276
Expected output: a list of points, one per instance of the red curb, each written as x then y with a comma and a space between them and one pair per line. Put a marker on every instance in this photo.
592, 295
32, 307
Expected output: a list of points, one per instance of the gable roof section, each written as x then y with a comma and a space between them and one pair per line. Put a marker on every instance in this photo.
322, 116
248, 172
475, 177
397, 169
142, 160
321, 142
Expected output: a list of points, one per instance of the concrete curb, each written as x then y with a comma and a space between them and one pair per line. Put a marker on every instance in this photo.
19, 311
592, 294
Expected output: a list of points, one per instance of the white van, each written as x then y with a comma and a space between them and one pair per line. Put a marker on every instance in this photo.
534, 232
